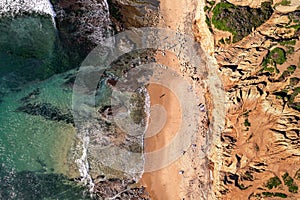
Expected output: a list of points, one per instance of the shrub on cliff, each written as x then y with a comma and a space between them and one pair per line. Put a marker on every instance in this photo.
240, 20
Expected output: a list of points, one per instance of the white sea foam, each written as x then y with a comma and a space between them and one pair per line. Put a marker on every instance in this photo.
13, 7
147, 108
83, 165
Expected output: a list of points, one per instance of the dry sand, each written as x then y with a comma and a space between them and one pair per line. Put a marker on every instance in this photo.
164, 183
169, 183
164, 97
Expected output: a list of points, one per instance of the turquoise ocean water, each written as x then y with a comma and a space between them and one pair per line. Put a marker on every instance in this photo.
36, 130
34, 149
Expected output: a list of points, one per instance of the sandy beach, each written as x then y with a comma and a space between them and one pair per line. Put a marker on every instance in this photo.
167, 179
181, 179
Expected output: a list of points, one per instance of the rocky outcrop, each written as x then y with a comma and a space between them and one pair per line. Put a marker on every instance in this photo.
133, 13
31, 106
47, 111
81, 26
122, 189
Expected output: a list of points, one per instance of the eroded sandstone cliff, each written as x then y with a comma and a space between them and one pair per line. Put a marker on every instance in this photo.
258, 153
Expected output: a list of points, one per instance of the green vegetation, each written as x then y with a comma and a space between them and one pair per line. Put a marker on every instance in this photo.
243, 187
288, 72
294, 94
276, 194
295, 26
247, 123
248, 176
293, 188
273, 182
294, 81
211, 3
278, 55
282, 195
285, 2
206, 8
280, 94
291, 68
297, 174
208, 22
297, 90
295, 106
246, 114
289, 95
269, 69
240, 20
295, 20
209, 6
290, 50
218, 22
222, 41
288, 181
288, 42
274, 57
267, 194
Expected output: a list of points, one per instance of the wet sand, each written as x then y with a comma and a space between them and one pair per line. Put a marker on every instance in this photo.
160, 95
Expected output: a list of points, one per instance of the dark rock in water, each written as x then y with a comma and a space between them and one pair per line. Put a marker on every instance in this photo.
32, 95
1, 96
47, 111
33, 185
81, 26
133, 13
42, 164
70, 80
